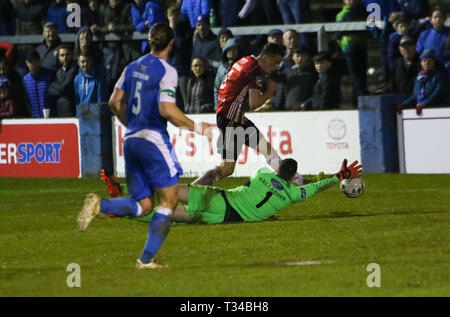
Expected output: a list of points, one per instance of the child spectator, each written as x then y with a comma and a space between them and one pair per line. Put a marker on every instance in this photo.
37, 83
300, 80
62, 88
354, 48
88, 84
434, 37
405, 68
200, 88
429, 87
48, 50
231, 52
327, 91
6, 101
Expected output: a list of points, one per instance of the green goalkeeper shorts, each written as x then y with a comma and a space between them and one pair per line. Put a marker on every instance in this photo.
206, 204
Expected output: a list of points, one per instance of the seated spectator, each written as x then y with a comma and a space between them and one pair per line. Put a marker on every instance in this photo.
37, 82
6, 101
200, 88
231, 52
205, 43
300, 80
62, 88
16, 88
7, 18
88, 84
48, 50
191, 9
405, 68
354, 48
180, 55
327, 91
430, 85
30, 16
434, 37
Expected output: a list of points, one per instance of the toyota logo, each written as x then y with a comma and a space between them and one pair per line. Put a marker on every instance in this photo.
337, 129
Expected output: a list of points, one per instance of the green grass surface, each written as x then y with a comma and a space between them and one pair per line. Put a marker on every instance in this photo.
402, 222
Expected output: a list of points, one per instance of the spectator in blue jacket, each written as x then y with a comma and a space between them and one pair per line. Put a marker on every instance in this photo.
206, 44
434, 37
7, 18
88, 84
56, 14
37, 83
191, 9
429, 87
414, 9
139, 21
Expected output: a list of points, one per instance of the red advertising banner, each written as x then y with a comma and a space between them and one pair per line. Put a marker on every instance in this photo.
40, 148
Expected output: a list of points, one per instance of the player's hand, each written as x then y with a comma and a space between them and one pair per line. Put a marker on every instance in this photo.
419, 108
203, 128
352, 171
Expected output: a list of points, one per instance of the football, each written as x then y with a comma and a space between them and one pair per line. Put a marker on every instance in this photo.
353, 187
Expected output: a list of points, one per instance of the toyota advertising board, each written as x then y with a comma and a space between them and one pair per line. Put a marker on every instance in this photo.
40, 148
319, 141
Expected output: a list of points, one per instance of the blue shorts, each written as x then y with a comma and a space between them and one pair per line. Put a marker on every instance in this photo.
150, 162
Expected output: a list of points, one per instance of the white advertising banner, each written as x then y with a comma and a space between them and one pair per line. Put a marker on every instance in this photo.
319, 141
424, 141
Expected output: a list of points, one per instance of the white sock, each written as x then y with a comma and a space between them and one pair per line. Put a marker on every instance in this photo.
139, 209
163, 210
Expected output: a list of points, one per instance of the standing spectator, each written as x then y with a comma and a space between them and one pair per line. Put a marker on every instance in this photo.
57, 14
180, 55
62, 88
300, 80
295, 11
37, 82
229, 12
7, 18
191, 9
405, 67
139, 21
414, 9
200, 88
434, 37
354, 48
327, 90
30, 16
429, 87
16, 89
88, 84
291, 41
153, 13
205, 43
7, 107
48, 50
94, 16
231, 52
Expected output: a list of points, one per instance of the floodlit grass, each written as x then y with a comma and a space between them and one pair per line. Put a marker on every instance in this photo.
402, 222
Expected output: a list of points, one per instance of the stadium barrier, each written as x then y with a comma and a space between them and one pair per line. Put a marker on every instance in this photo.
319, 140
378, 128
423, 142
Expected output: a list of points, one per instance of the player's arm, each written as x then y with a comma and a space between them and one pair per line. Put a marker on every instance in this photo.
172, 113
257, 98
118, 104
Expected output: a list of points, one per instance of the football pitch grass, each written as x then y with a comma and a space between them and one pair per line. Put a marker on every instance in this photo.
321, 247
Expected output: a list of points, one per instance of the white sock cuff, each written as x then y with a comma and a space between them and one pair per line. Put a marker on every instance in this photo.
163, 211
139, 209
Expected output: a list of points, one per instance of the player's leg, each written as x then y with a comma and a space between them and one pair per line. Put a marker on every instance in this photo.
180, 215
206, 205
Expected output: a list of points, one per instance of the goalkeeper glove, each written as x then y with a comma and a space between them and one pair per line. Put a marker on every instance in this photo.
352, 171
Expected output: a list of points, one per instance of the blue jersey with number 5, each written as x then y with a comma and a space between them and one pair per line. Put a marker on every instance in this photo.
147, 81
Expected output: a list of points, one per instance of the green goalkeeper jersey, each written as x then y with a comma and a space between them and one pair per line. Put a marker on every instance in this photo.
265, 194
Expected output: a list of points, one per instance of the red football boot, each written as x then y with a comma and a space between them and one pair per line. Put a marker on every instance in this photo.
112, 183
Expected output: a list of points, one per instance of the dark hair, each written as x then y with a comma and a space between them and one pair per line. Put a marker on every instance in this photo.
32, 56
440, 9
65, 47
287, 169
159, 36
322, 56
301, 50
173, 8
272, 49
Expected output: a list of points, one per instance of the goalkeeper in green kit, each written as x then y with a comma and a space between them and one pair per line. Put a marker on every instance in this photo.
260, 198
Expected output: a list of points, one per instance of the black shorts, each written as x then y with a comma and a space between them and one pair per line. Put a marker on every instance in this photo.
234, 135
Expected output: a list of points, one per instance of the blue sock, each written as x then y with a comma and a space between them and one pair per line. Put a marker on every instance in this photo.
158, 230
121, 207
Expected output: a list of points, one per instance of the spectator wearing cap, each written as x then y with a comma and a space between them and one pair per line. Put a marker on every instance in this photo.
434, 38
30, 16
405, 67
7, 18
37, 82
180, 55
275, 36
429, 86
231, 53
48, 50
7, 106
191, 9
206, 45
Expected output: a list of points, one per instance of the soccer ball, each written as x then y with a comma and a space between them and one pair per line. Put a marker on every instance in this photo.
353, 187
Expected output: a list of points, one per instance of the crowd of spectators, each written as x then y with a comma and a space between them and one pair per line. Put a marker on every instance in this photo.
414, 52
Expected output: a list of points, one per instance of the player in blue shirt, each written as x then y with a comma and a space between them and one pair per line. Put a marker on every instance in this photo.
144, 100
